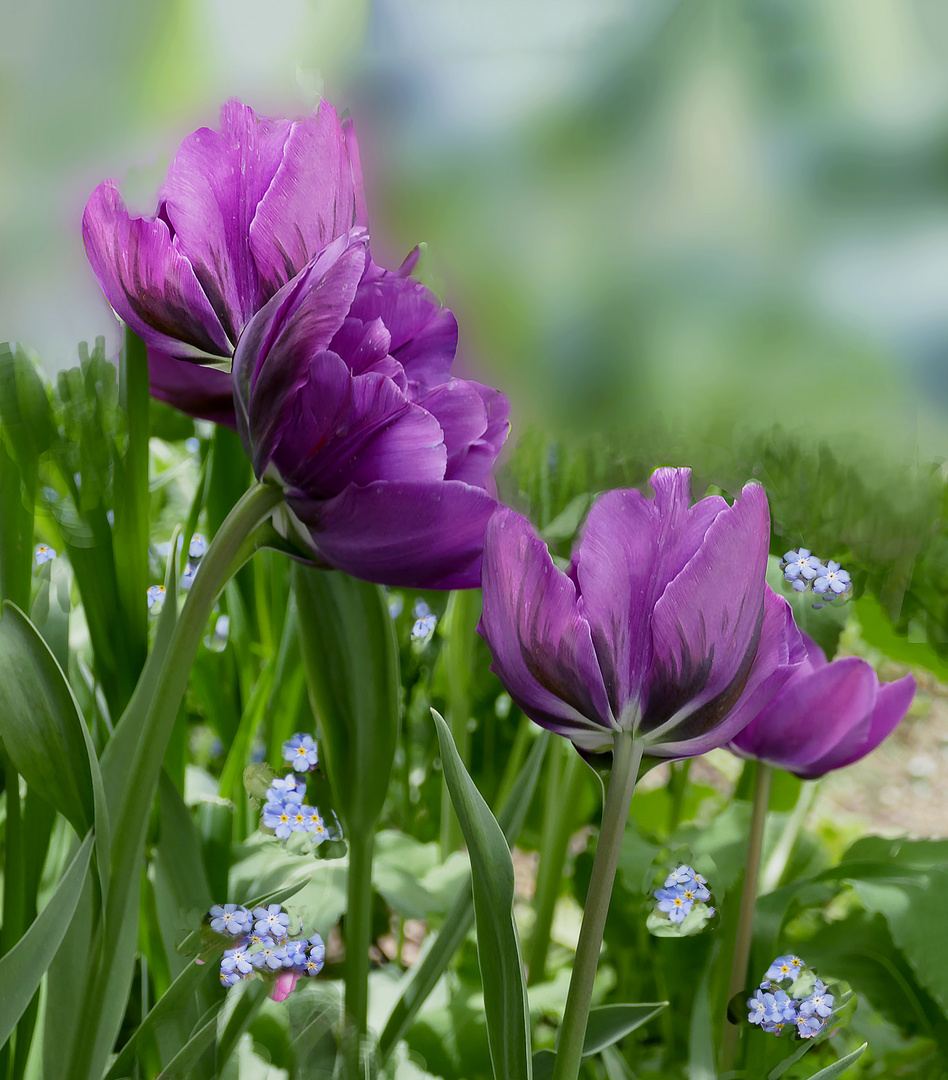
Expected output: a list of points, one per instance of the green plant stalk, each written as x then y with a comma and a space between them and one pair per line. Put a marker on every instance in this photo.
777, 863
558, 828
461, 617
627, 755
358, 940
135, 800
763, 775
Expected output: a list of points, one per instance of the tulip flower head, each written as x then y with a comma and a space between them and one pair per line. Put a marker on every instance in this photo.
243, 210
827, 716
345, 398
662, 625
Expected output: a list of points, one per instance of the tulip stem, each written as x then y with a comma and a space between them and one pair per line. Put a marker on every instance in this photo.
745, 923
615, 813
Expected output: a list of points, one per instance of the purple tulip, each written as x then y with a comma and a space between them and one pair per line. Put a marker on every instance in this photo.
826, 716
242, 212
662, 625
344, 396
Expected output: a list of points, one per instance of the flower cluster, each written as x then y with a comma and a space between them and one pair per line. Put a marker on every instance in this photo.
805, 571
775, 1010
285, 811
683, 887
261, 943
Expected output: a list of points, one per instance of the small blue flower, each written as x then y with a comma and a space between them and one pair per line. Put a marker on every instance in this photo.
279, 817
773, 1028
268, 957
424, 627
287, 789
230, 978
197, 547
808, 1026
316, 956
187, 577
758, 1008
298, 820
300, 751
421, 609
832, 580
192, 445
272, 920
294, 954
785, 967
395, 605
232, 919
155, 596
237, 960
44, 554
780, 1006
315, 824
800, 566
819, 1002
674, 903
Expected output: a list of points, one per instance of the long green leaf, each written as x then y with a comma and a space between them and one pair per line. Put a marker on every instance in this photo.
40, 723
498, 945
350, 654
23, 967
460, 918
185, 1059
608, 1024
839, 1067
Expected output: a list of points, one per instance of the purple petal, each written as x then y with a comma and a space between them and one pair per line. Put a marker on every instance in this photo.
361, 213
424, 334
631, 549
707, 625
195, 389
346, 429
892, 703
363, 345
214, 187
272, 360
421, 535
310, 202
474, 421
147, 280
542, 648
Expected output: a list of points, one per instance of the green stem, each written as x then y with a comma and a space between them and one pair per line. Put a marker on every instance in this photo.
625, 765
559, 819
460, 618
745, 923
131, 811
358, 939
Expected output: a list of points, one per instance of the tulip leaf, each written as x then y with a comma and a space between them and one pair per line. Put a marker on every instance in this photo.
41, 726
350, 655
607, 1024
23, 967
839, 1067
25, 411
498, 944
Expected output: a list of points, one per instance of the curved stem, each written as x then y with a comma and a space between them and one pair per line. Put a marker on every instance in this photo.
130, 810
745, 922
615, 813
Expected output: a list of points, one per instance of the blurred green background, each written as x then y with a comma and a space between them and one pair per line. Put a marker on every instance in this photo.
681, 222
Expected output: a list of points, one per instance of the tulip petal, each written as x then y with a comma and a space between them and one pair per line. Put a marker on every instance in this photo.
355, 429
706, 626
309, 203
424, 334
272, 360
891, 704
198, 390
213, 190
421, 535
542, 647
148, 282
358, 184
631, 548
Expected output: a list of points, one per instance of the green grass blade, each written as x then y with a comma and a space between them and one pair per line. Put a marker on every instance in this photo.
23, 967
